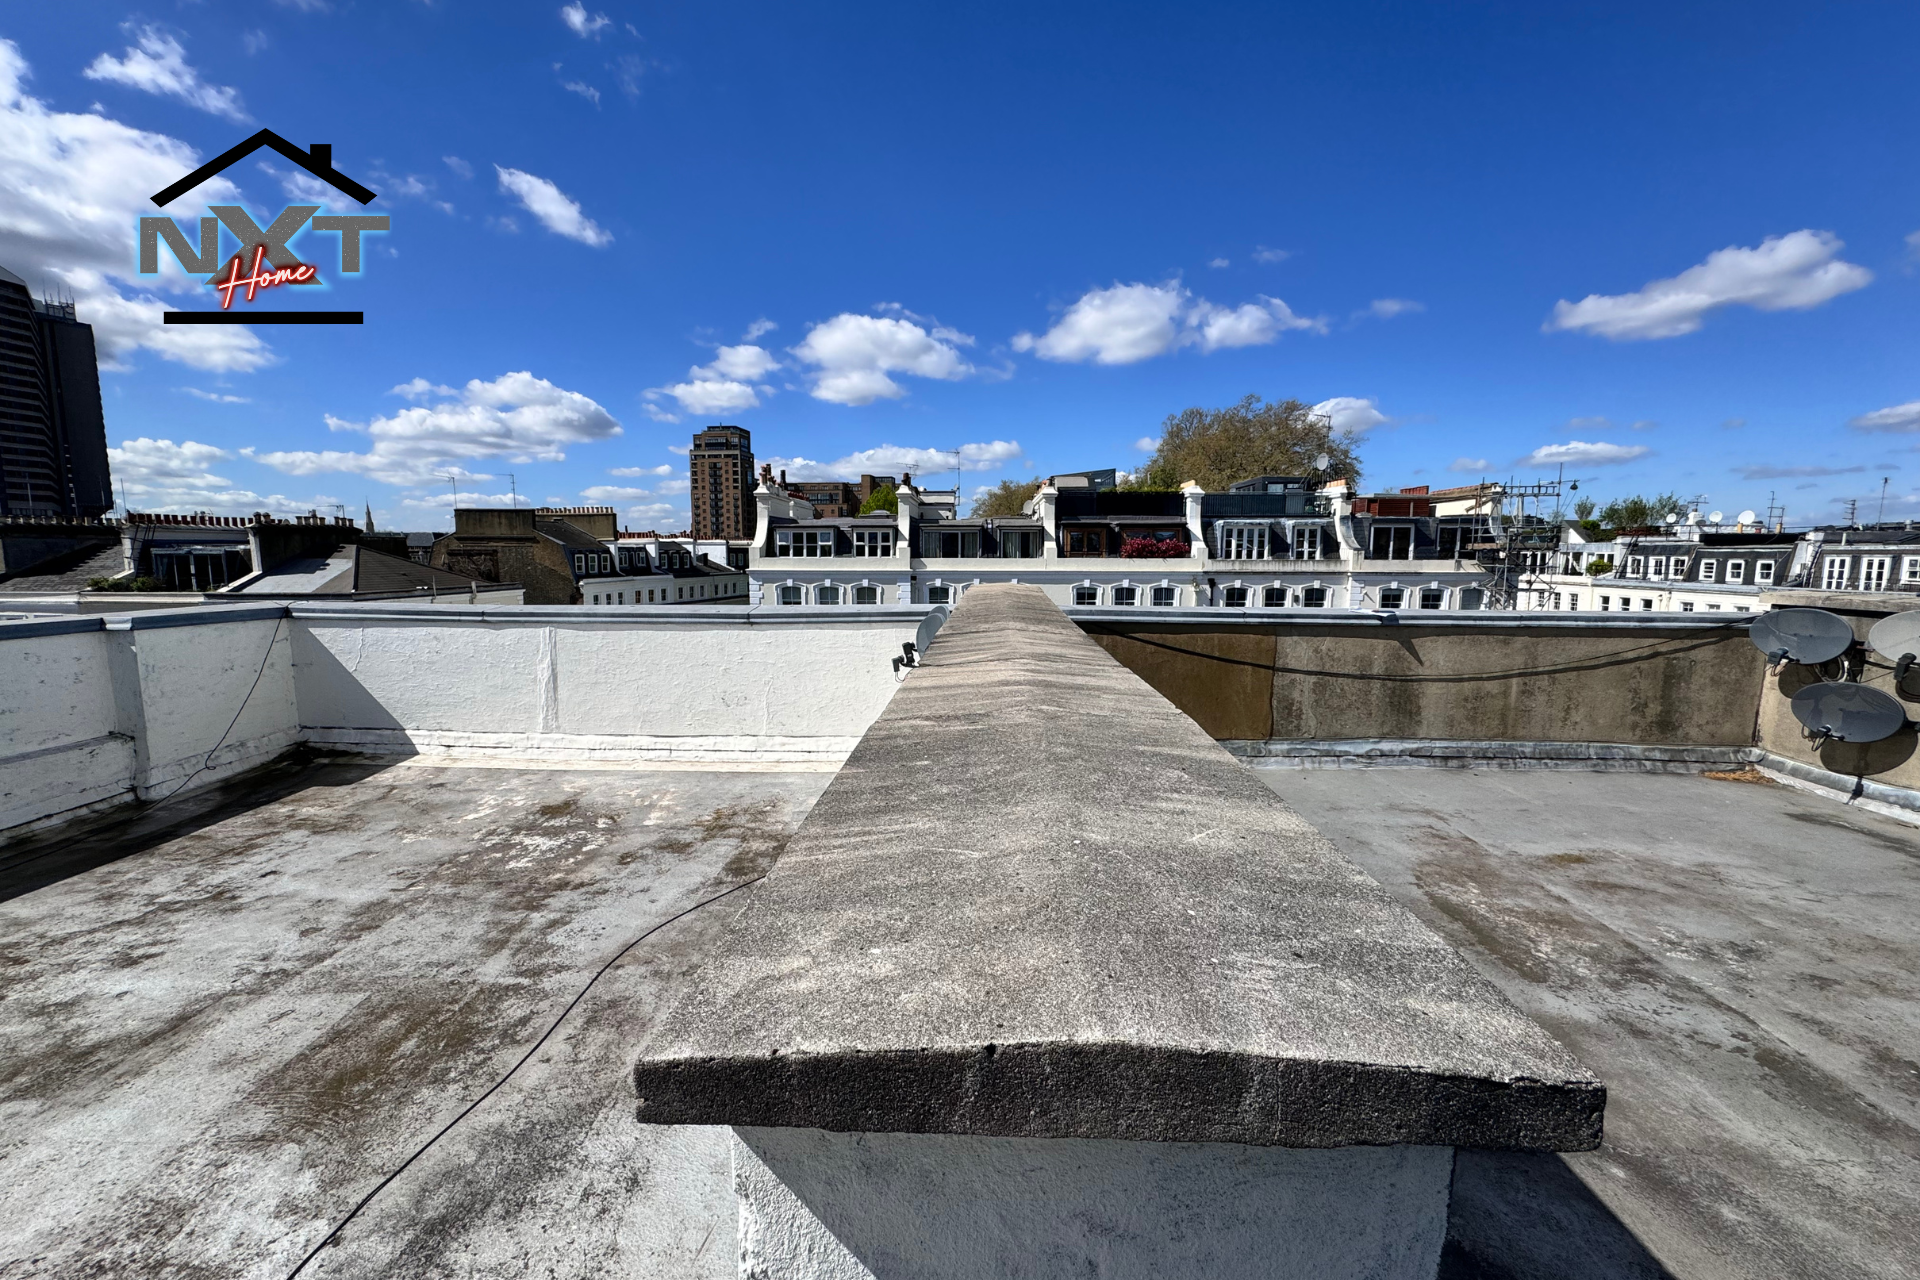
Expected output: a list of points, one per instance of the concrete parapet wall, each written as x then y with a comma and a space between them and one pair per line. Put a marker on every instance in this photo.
1310, 675
95, 710
1002, 1010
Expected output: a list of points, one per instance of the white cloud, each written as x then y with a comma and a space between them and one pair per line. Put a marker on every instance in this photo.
724, 386
1580, 453
893, 459
575, 16
1899, 417
1785, 273
1470, 466
612, 493
304, 6
215, 396
549, 204
420, 389
516, 416
1388, 308
159, 65
254, 41
758, 329
1352, 415
1146, 444
682, 449
582, 88
1265, 255
854, 354
159, 475
678, 485
458, 165
1218, 263
661, 470
75, 187
1590, 424
299, 185
1132, 322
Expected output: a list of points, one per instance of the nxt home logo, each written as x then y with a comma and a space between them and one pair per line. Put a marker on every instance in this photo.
264, 261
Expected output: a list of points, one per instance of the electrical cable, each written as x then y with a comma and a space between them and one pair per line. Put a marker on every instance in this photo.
497, 1084
208, 762
1599, 662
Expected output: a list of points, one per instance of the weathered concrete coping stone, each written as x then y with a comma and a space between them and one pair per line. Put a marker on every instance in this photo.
1040, 901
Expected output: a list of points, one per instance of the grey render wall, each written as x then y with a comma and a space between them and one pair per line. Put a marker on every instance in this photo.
1502, 678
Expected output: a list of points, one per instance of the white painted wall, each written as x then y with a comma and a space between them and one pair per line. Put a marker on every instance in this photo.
91, 715
880, 1206
610, 683
59, 745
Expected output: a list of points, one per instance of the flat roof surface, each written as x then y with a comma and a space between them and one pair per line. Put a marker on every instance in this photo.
266, 996
237, 1012
1736, 960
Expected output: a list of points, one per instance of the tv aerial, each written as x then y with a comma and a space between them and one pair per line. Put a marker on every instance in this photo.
1747, 516
1897, 636
1807, 636
1847, 712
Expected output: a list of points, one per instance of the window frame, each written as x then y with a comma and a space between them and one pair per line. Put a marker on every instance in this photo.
873, 543
1438, 593
1172, 593
804, 544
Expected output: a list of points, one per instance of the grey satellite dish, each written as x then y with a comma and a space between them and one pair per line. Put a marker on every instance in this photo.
1714, 517
1800, 635
1747, 516
1322, 462
1847, 712
1897, 636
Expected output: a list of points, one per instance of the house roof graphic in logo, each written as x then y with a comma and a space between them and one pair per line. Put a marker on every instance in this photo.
318, 161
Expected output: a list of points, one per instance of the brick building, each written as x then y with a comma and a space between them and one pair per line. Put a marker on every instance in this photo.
720, 472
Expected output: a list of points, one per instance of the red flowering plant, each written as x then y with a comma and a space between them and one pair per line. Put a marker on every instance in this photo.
1153, 549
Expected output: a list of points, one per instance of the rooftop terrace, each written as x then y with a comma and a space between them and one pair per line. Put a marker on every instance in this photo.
231, 1016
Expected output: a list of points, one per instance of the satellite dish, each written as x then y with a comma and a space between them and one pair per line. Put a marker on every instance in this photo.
1897, 636
1673, 517
1848, 712
1322, 462
1747, 516
1714, 517
1800, 635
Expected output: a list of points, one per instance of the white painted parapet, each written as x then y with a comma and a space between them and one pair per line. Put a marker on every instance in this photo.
105, 709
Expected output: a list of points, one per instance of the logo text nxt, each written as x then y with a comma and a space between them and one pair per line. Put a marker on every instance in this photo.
264, 259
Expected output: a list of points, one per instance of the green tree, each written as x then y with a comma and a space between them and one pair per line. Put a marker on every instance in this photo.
884, 499
1583, 510
1216, 447
1005, 498
1640, 513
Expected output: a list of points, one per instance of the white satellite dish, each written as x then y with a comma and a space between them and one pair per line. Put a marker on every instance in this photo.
1322, 462
1673, 517
1747, 516
1714, 517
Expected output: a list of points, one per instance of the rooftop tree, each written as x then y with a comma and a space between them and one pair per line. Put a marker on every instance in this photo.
1216, 447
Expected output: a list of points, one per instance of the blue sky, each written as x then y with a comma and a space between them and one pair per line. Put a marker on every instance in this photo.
1676, 247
